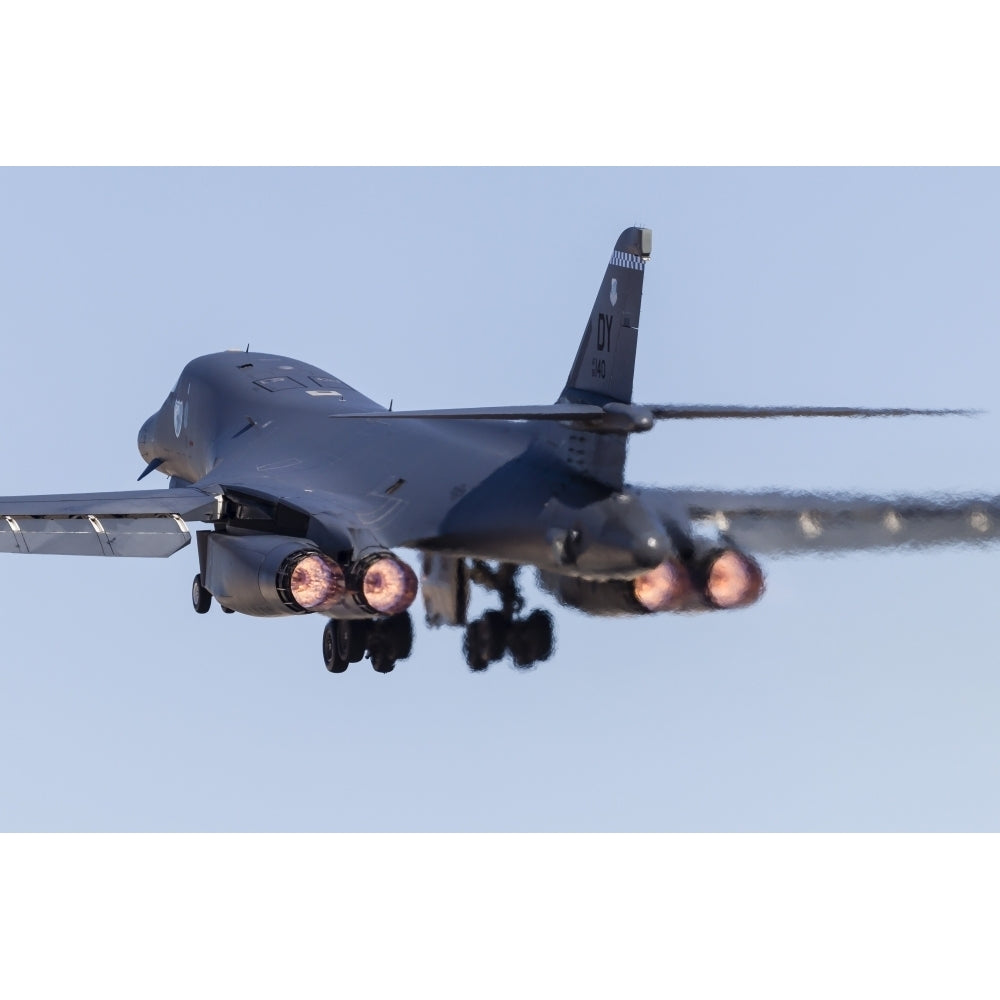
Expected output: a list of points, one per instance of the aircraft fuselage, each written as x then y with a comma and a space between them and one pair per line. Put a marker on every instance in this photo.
485, 489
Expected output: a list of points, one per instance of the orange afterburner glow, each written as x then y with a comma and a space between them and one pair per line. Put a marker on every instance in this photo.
733, 580
389, 586
662, 588
316, 581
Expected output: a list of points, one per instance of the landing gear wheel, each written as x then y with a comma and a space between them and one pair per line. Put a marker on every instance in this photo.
398, 632
389, 639
200, 597
530, 641
351, 639
541, 629
332, 658
519, 644
476, 655
496, 627
382, 659
485, 640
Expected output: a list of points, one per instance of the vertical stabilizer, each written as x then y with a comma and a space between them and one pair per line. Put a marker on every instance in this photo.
605, 362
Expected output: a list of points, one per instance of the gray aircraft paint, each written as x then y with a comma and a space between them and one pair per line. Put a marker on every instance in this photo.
256, 444
605, 361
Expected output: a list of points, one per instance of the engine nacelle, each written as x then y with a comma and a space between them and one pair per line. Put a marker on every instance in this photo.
666, 587
730, 579
717, 579
271, 575
382, 584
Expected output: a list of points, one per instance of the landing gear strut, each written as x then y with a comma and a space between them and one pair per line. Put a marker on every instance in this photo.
528, 640
346, 641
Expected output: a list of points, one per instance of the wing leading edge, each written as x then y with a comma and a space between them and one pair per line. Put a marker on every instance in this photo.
148, 523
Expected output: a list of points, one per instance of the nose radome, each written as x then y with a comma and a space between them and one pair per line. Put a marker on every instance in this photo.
147, 439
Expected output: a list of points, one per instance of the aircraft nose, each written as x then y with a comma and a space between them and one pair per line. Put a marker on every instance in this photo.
147, 439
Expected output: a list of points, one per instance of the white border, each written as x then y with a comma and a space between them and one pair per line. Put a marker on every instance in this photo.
666, 83
491, 915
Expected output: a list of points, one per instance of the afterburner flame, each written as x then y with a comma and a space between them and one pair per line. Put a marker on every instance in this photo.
662, 588
733, 580
315, 581
389, 586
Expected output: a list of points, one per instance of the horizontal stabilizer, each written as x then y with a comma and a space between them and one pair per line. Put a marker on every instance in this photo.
630, 418
679, 412
552, 411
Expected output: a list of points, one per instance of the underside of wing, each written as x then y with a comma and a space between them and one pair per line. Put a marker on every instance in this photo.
134, 523
777, 523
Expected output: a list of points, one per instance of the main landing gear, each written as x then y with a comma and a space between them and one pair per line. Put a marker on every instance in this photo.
528, 640
383, 641
346, 641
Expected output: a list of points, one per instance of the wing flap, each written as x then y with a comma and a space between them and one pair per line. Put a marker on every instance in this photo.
90, 536
149, 523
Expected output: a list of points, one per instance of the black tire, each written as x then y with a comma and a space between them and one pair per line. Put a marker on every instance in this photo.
530, 640
496, 628
352, 639
520, 646
473, 648
383, 661
332, 659
398, 630
541, 631
201, 599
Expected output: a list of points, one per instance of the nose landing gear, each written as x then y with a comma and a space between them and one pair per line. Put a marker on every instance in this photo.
200, 596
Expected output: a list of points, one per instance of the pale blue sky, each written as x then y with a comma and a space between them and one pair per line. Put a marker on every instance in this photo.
860, 694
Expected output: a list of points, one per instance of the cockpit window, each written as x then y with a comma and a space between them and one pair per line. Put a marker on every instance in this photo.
278, 383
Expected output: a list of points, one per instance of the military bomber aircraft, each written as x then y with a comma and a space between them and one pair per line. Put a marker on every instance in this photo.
308, 488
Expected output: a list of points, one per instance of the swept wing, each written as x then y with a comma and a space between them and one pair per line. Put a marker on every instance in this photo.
776, 523
132, 523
